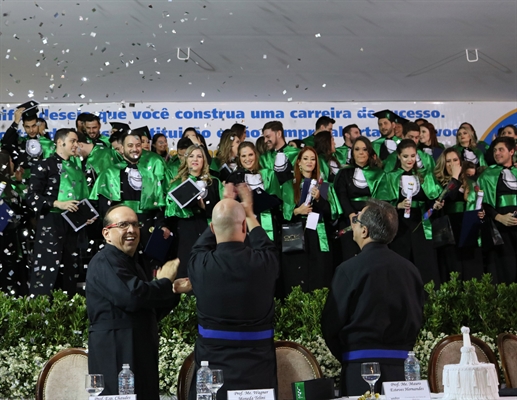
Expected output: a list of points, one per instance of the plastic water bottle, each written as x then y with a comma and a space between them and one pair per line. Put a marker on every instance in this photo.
412, 367
126, 381
204, 377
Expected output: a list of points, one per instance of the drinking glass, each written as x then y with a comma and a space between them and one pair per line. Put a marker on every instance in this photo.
94, 384
217, 382
371, 372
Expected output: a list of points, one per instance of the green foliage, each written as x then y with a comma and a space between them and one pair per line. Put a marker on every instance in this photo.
182, 321
43, 320
298, 315
478, 304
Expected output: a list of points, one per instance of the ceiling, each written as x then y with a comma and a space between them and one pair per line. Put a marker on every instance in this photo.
76, 51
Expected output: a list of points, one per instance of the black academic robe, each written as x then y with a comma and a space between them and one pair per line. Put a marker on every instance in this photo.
56, 262
123, 309
375, 303
234, 286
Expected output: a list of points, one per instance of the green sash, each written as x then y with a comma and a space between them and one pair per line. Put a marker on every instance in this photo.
342, 154
427, 161
479, 154
172, 167
267, 160
377, 144
48, 147
108, 185
266, 221
309, 140
389, 191
105, 140
72, 183
488, 183
99, 159
173, 210
462, 206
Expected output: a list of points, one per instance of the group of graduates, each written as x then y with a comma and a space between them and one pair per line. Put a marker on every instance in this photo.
305, 195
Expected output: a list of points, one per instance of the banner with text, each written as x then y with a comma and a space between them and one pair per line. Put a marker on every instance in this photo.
299, 119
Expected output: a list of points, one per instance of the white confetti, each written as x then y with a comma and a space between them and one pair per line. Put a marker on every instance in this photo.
317, 35
203, 94
264, 56
284, 92
324, 85
84, 78
11, 94
290, 99
107, 63
362, 49
93, 34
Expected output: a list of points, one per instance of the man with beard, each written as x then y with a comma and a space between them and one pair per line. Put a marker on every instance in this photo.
27, 151
57, 185
92, 127
322, 124
137, 185
350, 133
499, 184
388, 142
280, 157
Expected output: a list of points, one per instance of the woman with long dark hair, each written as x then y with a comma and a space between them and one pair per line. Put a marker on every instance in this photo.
326, 148
225, 161
413, 194
429, 141
311, 268
354, 185
188, 223
461, 197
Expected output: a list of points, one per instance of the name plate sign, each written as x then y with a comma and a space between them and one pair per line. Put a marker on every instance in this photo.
253, 394
407, 390
115, 397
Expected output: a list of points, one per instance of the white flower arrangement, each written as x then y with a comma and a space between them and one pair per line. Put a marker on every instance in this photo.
172, 352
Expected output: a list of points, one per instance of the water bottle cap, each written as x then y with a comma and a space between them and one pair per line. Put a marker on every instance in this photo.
410, 353
204, 363
125, 366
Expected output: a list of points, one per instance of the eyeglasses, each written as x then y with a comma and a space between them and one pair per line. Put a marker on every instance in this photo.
355, 220
125, 225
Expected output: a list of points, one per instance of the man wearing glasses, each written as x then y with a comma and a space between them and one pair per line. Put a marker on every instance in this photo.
375, 304
124, 307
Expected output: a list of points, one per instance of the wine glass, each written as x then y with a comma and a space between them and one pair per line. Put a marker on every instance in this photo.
94, 384
371, 372
217, 382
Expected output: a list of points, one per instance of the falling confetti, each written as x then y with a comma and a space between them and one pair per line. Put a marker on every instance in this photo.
93, 34
203, 94
264, 56
324, 85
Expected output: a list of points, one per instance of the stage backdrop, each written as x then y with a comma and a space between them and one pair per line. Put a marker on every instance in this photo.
298, 119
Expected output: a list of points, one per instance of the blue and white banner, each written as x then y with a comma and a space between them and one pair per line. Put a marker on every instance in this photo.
299, 119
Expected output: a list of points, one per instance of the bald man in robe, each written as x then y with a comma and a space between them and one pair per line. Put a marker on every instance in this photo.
234, 284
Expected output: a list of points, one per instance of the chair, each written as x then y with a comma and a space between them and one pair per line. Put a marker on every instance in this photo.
507, 345
185, 377
294, 364
447, 351
63, 376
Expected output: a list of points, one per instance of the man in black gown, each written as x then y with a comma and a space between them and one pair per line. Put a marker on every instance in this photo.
234, 284
374, 308
124, 307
